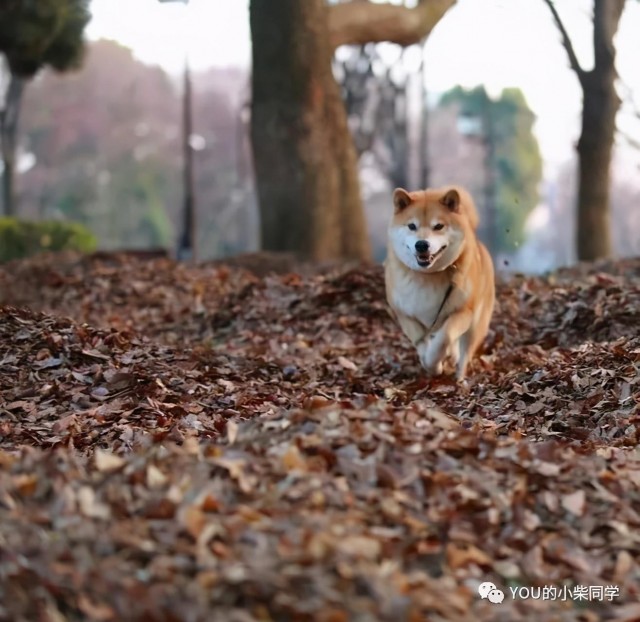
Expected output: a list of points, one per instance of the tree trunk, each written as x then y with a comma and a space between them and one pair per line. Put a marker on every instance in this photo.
599, 109
8, 176
305, 161
187, 247
9, 116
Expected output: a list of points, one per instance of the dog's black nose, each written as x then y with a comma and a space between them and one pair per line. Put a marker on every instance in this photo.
422, 246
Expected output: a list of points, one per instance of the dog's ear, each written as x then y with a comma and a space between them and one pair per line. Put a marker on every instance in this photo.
401, 200
451, 200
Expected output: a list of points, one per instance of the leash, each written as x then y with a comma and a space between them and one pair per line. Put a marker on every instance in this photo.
444, 301
428, 331
435, 321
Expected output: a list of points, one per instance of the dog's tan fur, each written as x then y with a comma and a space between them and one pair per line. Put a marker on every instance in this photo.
443, 300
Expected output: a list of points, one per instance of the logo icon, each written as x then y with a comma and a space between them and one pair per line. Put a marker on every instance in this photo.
489, 591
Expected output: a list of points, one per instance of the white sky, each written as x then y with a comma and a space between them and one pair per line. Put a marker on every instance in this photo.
500, 43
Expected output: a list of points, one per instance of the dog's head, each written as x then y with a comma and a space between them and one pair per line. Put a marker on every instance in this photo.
428, 229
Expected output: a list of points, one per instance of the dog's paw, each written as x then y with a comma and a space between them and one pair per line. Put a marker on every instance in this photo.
432, 355
433, 369
450, 365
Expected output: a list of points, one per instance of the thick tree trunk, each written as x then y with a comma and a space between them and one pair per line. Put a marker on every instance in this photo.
8, 176
305, 161
599, 109
9, 116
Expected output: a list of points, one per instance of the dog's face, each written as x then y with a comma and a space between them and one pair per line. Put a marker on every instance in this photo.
428, 228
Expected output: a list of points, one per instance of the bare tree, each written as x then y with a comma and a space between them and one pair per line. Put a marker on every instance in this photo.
305, 160
600, 106
377, 108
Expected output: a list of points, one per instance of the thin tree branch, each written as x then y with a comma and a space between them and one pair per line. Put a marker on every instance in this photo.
628, 99
633, 109
632, 142
357, 23
566, 42
628, 91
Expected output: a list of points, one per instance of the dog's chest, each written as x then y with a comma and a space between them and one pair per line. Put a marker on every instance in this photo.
419, 301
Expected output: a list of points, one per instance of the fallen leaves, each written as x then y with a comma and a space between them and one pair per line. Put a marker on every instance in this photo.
199, 443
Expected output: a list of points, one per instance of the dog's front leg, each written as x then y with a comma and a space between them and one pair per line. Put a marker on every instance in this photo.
430, 354
413, 330
434, 349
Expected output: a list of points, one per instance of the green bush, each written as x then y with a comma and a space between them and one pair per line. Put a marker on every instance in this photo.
21, 238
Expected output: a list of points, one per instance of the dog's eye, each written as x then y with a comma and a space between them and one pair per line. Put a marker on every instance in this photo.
438, 227
412, 227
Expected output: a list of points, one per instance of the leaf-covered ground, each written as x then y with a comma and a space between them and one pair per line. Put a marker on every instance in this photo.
181, 443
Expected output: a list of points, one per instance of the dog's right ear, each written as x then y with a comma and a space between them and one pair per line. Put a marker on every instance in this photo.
401, 200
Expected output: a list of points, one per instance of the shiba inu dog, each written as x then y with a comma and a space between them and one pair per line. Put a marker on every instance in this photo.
439, 277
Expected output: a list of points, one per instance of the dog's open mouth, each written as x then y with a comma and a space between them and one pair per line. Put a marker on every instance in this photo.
426, 259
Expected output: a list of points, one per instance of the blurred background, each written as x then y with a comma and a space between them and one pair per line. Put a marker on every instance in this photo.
211, 128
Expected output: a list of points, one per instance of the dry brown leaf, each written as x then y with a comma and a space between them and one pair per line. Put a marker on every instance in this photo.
462, 554
574, 502
624, 564
627, 613
548, 469
94, 611
26, 483
347, 364
106, 461
361, 547
293, 460
193, 520
90, 506
232, 432
155, 477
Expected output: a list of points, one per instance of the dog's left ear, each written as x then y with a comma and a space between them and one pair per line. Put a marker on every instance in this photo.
451, 200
